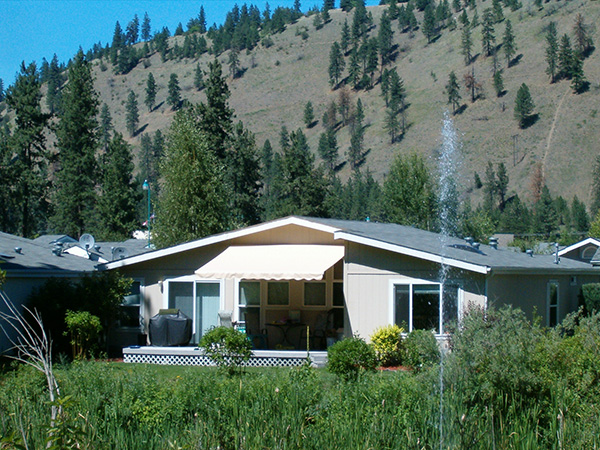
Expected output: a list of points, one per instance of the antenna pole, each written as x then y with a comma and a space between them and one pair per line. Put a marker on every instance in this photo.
146, 187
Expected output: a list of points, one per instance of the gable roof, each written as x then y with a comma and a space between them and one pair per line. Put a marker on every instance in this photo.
580, 244
396, 238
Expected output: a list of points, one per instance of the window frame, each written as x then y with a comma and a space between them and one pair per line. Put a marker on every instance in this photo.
411, 282
549, 305
141, 307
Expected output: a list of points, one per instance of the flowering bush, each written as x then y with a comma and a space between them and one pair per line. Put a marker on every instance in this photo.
387, 343
227, 347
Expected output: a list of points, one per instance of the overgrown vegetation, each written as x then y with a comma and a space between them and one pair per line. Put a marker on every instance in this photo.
508, 384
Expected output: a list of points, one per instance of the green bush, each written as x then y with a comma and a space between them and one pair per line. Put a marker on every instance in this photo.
422, 349
227, 347
350, 357
84, 329
591, 295
387, 343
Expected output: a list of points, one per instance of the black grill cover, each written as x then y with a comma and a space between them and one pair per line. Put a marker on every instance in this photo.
167, 330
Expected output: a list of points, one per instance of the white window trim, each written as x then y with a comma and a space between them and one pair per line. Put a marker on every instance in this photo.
326, 304
236, 298
548, 306
412, 281
195, 280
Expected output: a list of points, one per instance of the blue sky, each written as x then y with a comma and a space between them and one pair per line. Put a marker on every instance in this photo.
34, 29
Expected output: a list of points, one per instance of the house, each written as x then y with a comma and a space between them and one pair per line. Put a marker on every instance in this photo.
29, 263
582, 250
346, 278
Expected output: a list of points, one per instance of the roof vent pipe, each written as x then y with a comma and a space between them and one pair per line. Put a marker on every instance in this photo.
469, 240
494, 243
556, 258
475, 245
529, 252
18, 250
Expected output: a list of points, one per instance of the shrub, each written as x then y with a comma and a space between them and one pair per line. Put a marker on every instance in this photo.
422, 349
350, 357
84, 329
387, 343
227, 347
591, 295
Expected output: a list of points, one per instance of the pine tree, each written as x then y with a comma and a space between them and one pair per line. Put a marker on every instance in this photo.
132, 31
106, 126
1, 90
336, 64
578, 81
150, 92
192, 177
453, 91
523, 106
552, 52
583, 41
345, 38
429, 25
77, 141
215, 117
53, 91
119, 193
309, 115
132, 116
580, 220
464, 19
234, 63
28, 144
488, 40
498, 83
243, 177
328, 150
202, 20
146, 28
472, 84
174, 96
497, 10
508, 43
117, 43
356, 151
354, 69
198, 78
467, 45
565, 58
385, 39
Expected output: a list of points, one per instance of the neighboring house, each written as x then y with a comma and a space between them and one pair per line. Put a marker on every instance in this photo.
28, 263
349, 277
581, 251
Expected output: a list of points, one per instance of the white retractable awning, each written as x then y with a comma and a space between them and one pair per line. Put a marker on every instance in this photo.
273, 262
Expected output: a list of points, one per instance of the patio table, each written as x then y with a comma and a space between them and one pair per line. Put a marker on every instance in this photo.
285, 329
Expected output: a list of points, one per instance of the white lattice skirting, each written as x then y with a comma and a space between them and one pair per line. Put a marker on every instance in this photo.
193, 356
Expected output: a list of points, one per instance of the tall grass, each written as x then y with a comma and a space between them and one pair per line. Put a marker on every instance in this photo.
542, 406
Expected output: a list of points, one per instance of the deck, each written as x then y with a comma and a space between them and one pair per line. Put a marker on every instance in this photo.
194, 356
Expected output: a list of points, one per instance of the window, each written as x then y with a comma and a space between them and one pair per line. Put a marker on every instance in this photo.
425, 306
588, 253
199, 300
249, 304
131, 312
338, 294
315, 294
552, 304
278, 293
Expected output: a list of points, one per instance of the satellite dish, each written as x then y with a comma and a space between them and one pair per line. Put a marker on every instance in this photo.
87, 241
119, 253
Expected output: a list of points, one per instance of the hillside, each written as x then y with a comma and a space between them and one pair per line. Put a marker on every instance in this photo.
279, 80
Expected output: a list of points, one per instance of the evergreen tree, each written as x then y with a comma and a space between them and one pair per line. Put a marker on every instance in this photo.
328, 4
544, 214
117, 43
354, 69
77, 141
508, 43
28, 144
179, 30
356, 151
234, 63
174, 96
385, 39
501, 185
133, 30
106, 126
345, 38
336, 64
192, 177
565, 58
1, 90
132, 115
497, 11
409, 193
119, 193
9, 210
523, 106
392, 124
472, 84
488, 39
464, 19
215, 117
578, 80
580, 220
53, 91
309, 115
150, 92
583, 41
146, 157
328, 150
146, 28
429, 25
552, 52
498, 83
198, 78
243, 177
467, 45
453, 91
202, 20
